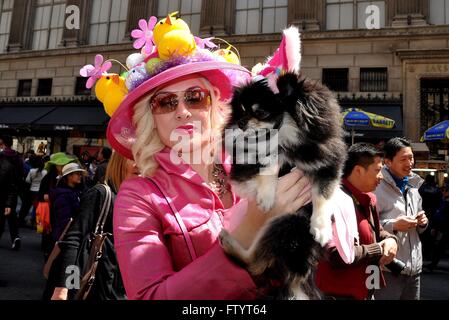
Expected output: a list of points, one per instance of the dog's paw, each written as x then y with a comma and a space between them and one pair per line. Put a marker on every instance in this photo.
226, 241
321, 229
266, 201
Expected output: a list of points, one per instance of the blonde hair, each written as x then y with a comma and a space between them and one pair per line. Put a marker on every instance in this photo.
116, 170
148, 143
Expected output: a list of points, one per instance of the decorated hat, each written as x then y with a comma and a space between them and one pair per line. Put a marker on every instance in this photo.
168, 51
59, 159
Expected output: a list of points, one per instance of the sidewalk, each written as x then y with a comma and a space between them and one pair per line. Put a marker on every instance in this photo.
21, 271
435, 285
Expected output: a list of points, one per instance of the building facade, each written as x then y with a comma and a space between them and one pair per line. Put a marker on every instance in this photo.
390, 57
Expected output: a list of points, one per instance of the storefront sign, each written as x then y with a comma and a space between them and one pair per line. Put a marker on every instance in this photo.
64, 128
444, 68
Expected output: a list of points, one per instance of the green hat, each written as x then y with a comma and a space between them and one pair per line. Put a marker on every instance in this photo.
59, 159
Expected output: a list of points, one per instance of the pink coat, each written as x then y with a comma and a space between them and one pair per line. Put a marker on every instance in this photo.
153, 254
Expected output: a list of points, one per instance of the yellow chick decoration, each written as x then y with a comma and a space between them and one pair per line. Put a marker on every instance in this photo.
111, 90
172, 36
228, 55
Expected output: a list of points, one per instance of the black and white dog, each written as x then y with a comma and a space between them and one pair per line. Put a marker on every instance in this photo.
306, 118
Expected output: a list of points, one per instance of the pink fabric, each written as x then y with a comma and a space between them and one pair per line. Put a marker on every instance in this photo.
344, 229
153, 256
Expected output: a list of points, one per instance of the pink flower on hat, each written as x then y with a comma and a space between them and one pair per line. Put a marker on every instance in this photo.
202, 43
144, 35
95, 72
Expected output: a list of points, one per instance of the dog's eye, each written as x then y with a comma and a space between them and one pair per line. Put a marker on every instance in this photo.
262, 114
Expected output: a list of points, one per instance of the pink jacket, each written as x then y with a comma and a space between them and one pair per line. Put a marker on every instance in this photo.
153, 254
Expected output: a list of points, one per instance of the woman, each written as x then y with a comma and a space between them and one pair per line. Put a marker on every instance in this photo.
48, 183
34, 178
65, 202
167, 221
108, 283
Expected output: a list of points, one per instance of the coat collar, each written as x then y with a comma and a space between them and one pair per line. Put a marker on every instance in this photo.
173, 164
414, 180
365, 198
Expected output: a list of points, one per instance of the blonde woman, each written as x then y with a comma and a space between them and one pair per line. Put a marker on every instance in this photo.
167, 221
108, 284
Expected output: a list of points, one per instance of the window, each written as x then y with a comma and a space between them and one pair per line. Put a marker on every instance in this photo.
5, 23
108, 21
44, 87
24, 89
336, 79
189, 10
373, 79
80, 87
351, 14
48, 24
439, 11
260, 16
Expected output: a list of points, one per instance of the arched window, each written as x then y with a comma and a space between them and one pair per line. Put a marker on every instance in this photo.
439, 12
260, 16
108, 21
351, 14
5, 22
48, 24
190, 11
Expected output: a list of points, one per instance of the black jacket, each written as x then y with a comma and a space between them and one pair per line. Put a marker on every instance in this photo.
108, 283
8, 184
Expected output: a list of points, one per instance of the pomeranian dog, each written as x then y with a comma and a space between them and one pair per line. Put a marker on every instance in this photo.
302, 125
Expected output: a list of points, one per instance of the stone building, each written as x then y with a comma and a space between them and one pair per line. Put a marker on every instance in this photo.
397, 67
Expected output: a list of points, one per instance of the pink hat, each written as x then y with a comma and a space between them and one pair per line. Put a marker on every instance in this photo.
168, 51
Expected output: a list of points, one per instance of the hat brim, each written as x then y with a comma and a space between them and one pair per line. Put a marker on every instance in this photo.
121, 132
74, 170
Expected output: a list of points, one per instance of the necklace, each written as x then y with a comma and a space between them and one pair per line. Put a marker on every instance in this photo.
219, 184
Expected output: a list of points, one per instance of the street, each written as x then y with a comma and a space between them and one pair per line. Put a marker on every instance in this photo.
21, 271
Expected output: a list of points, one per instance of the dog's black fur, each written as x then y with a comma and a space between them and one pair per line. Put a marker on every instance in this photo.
307, 117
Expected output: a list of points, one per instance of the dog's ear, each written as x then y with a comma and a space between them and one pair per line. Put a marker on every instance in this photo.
288, 86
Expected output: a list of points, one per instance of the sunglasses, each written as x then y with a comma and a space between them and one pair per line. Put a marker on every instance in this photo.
195, 98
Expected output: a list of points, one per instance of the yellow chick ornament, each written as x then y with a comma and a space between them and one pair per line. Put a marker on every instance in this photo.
228, 55
172, 36
111, 90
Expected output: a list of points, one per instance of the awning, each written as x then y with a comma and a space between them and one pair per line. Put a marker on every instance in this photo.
59, 118
393, 112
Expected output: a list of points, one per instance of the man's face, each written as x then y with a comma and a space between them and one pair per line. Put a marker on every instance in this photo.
371, 176
402, 163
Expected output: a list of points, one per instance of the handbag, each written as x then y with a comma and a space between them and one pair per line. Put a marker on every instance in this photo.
95, 246
55, 252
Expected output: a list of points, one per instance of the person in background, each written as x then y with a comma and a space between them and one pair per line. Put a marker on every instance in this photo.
108, 284
400, 212
34, 178
431, 199
374, 246
439, 230
54, 170
8, 200
16, 161
65, 201
102, 163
